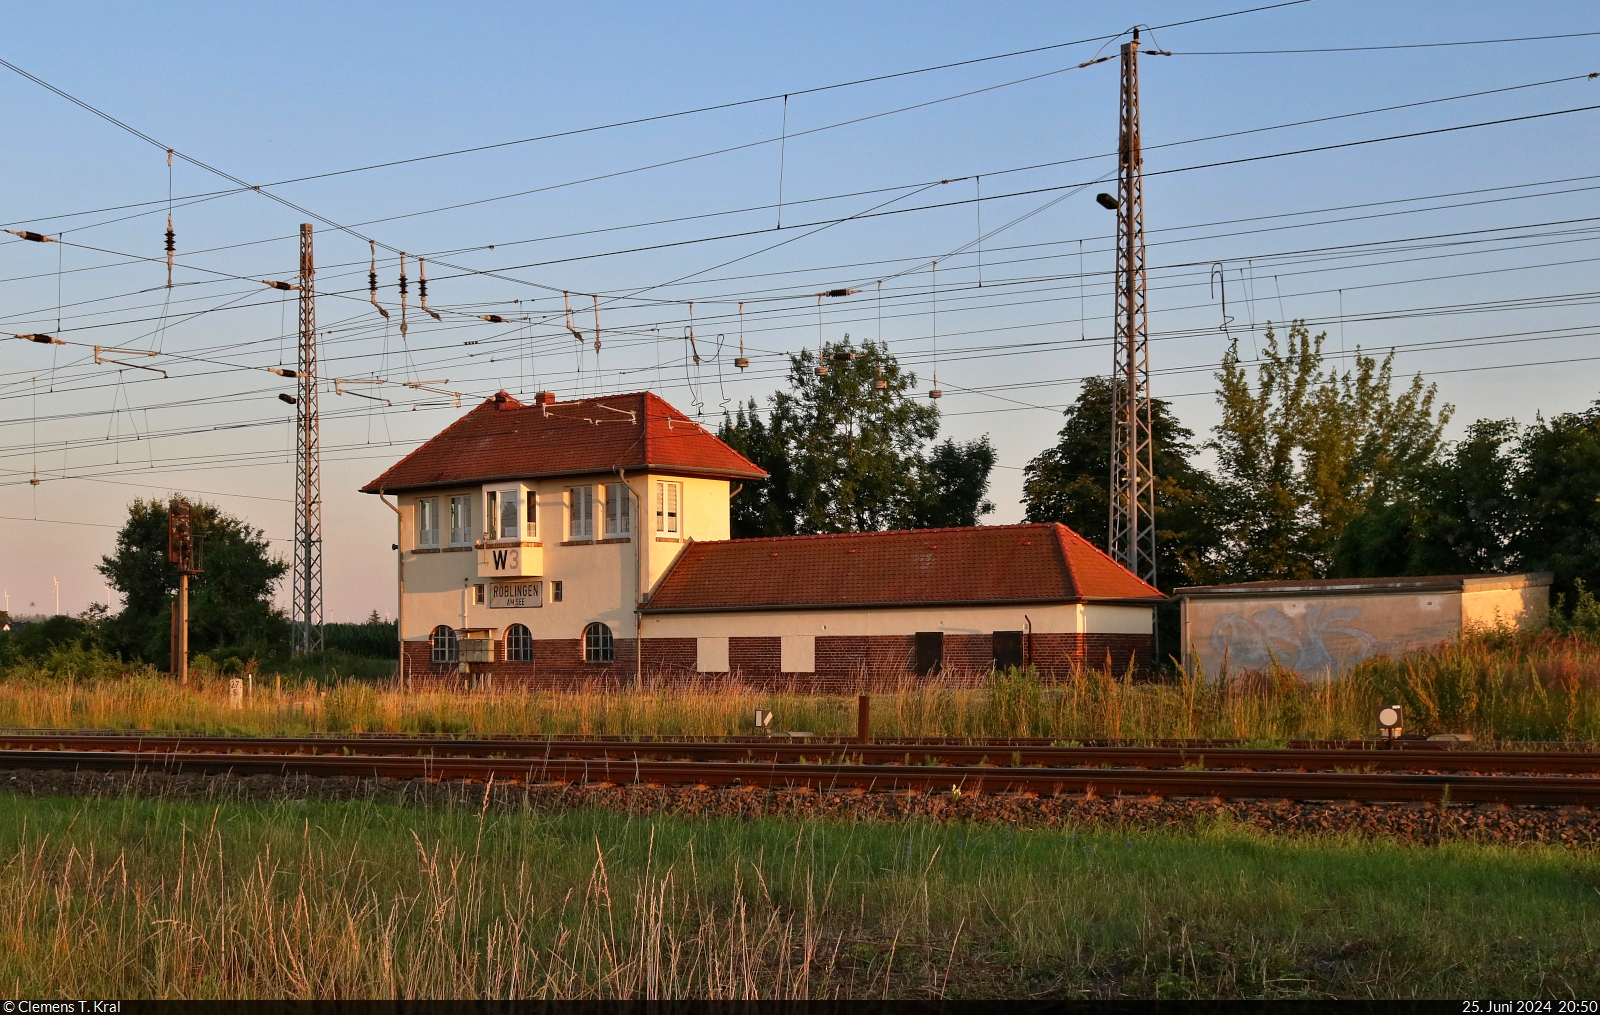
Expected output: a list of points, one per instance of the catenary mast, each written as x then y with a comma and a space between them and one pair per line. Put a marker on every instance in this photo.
1132, 540
306, 609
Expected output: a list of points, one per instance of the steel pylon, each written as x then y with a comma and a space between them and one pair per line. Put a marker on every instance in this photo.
306, 608
1132, 540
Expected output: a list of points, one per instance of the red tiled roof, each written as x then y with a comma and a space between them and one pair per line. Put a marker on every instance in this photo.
505, 439
986, 563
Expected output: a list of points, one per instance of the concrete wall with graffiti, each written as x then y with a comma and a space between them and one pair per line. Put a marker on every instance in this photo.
1318, 636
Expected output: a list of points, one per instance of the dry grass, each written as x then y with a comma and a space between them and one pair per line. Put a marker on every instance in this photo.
1529, 687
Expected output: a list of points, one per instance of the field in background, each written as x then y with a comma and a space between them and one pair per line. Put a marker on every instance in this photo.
1543, 686
131, 897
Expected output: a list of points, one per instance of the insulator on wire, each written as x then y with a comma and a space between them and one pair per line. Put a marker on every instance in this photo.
597, 324
492, 318
743, 360
692, 347
35, 237
172, 245
42, 339
566, 298
402, 295
287, 398
422, 289
283, 371
286, 286
372, 281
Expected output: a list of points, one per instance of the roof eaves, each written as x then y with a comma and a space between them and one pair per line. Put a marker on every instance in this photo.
899, 605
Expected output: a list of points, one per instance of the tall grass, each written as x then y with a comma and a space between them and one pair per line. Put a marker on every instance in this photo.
1543, 686
149, 898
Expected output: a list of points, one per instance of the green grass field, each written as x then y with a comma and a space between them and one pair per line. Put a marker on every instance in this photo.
125, 897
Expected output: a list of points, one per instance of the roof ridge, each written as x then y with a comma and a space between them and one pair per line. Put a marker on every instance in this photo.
421, 447
867, 533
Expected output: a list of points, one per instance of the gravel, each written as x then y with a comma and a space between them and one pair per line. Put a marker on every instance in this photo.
1412, 822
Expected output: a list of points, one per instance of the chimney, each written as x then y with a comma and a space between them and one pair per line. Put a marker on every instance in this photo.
545, 398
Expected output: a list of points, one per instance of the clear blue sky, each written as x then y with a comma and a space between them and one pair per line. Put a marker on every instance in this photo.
270, 94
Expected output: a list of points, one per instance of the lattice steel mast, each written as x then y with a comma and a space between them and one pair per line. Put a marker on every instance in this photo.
1133, 531
306, 610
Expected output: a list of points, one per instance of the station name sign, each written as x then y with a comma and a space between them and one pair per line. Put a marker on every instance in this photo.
515, 595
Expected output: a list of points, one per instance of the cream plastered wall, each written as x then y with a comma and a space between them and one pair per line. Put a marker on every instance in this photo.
1316, 637
599, 580
703, 516
1049, 618
1528, 606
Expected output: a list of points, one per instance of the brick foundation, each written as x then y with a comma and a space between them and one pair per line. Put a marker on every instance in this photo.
843, 663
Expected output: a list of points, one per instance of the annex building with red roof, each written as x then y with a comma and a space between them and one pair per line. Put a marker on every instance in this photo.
589, 540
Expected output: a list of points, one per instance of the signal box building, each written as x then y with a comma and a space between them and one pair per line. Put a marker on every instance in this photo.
564, 542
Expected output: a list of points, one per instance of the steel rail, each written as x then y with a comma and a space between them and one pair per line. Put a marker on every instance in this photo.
44, 734
1366, 786
878, 753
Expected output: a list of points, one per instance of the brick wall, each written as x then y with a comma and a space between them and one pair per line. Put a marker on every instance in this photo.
843, 663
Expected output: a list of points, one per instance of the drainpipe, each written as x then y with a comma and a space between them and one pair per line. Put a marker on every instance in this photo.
400, 572
638, 578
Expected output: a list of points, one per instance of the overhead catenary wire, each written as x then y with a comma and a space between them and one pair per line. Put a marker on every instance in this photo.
935, 297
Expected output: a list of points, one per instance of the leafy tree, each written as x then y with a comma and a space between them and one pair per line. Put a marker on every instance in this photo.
1558, 492
1069, 483
955, 478
846, 457
1461, 518
1307, 449
230, 602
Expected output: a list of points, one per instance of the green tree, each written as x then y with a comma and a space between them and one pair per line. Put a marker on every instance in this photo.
1558, 495
230, 602
845, 456
1461, 518
1069, 483
1307, 449
955, 477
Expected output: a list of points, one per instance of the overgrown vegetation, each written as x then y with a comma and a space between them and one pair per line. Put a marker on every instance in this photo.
1323, 471
149, 898
1543, 686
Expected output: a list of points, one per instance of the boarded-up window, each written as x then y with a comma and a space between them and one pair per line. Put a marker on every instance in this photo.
798, 653
930, 652
711, 655
1008, 650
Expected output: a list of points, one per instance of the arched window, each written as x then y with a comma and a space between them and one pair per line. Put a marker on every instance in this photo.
443, 643
519, 644
597, 647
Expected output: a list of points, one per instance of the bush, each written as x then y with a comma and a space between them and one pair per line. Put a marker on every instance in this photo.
1584, 619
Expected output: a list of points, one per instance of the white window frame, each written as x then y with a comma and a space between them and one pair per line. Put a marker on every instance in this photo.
494, 507
580, 512
619, 511
461, 510
669, 508
427, 511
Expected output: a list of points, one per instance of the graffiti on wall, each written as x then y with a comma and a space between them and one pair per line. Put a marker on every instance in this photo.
1297, 642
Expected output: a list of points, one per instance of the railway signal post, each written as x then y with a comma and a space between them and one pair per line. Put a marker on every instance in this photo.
180, 551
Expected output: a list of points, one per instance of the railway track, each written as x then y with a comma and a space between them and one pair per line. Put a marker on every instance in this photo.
1183, 770
1004, 753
